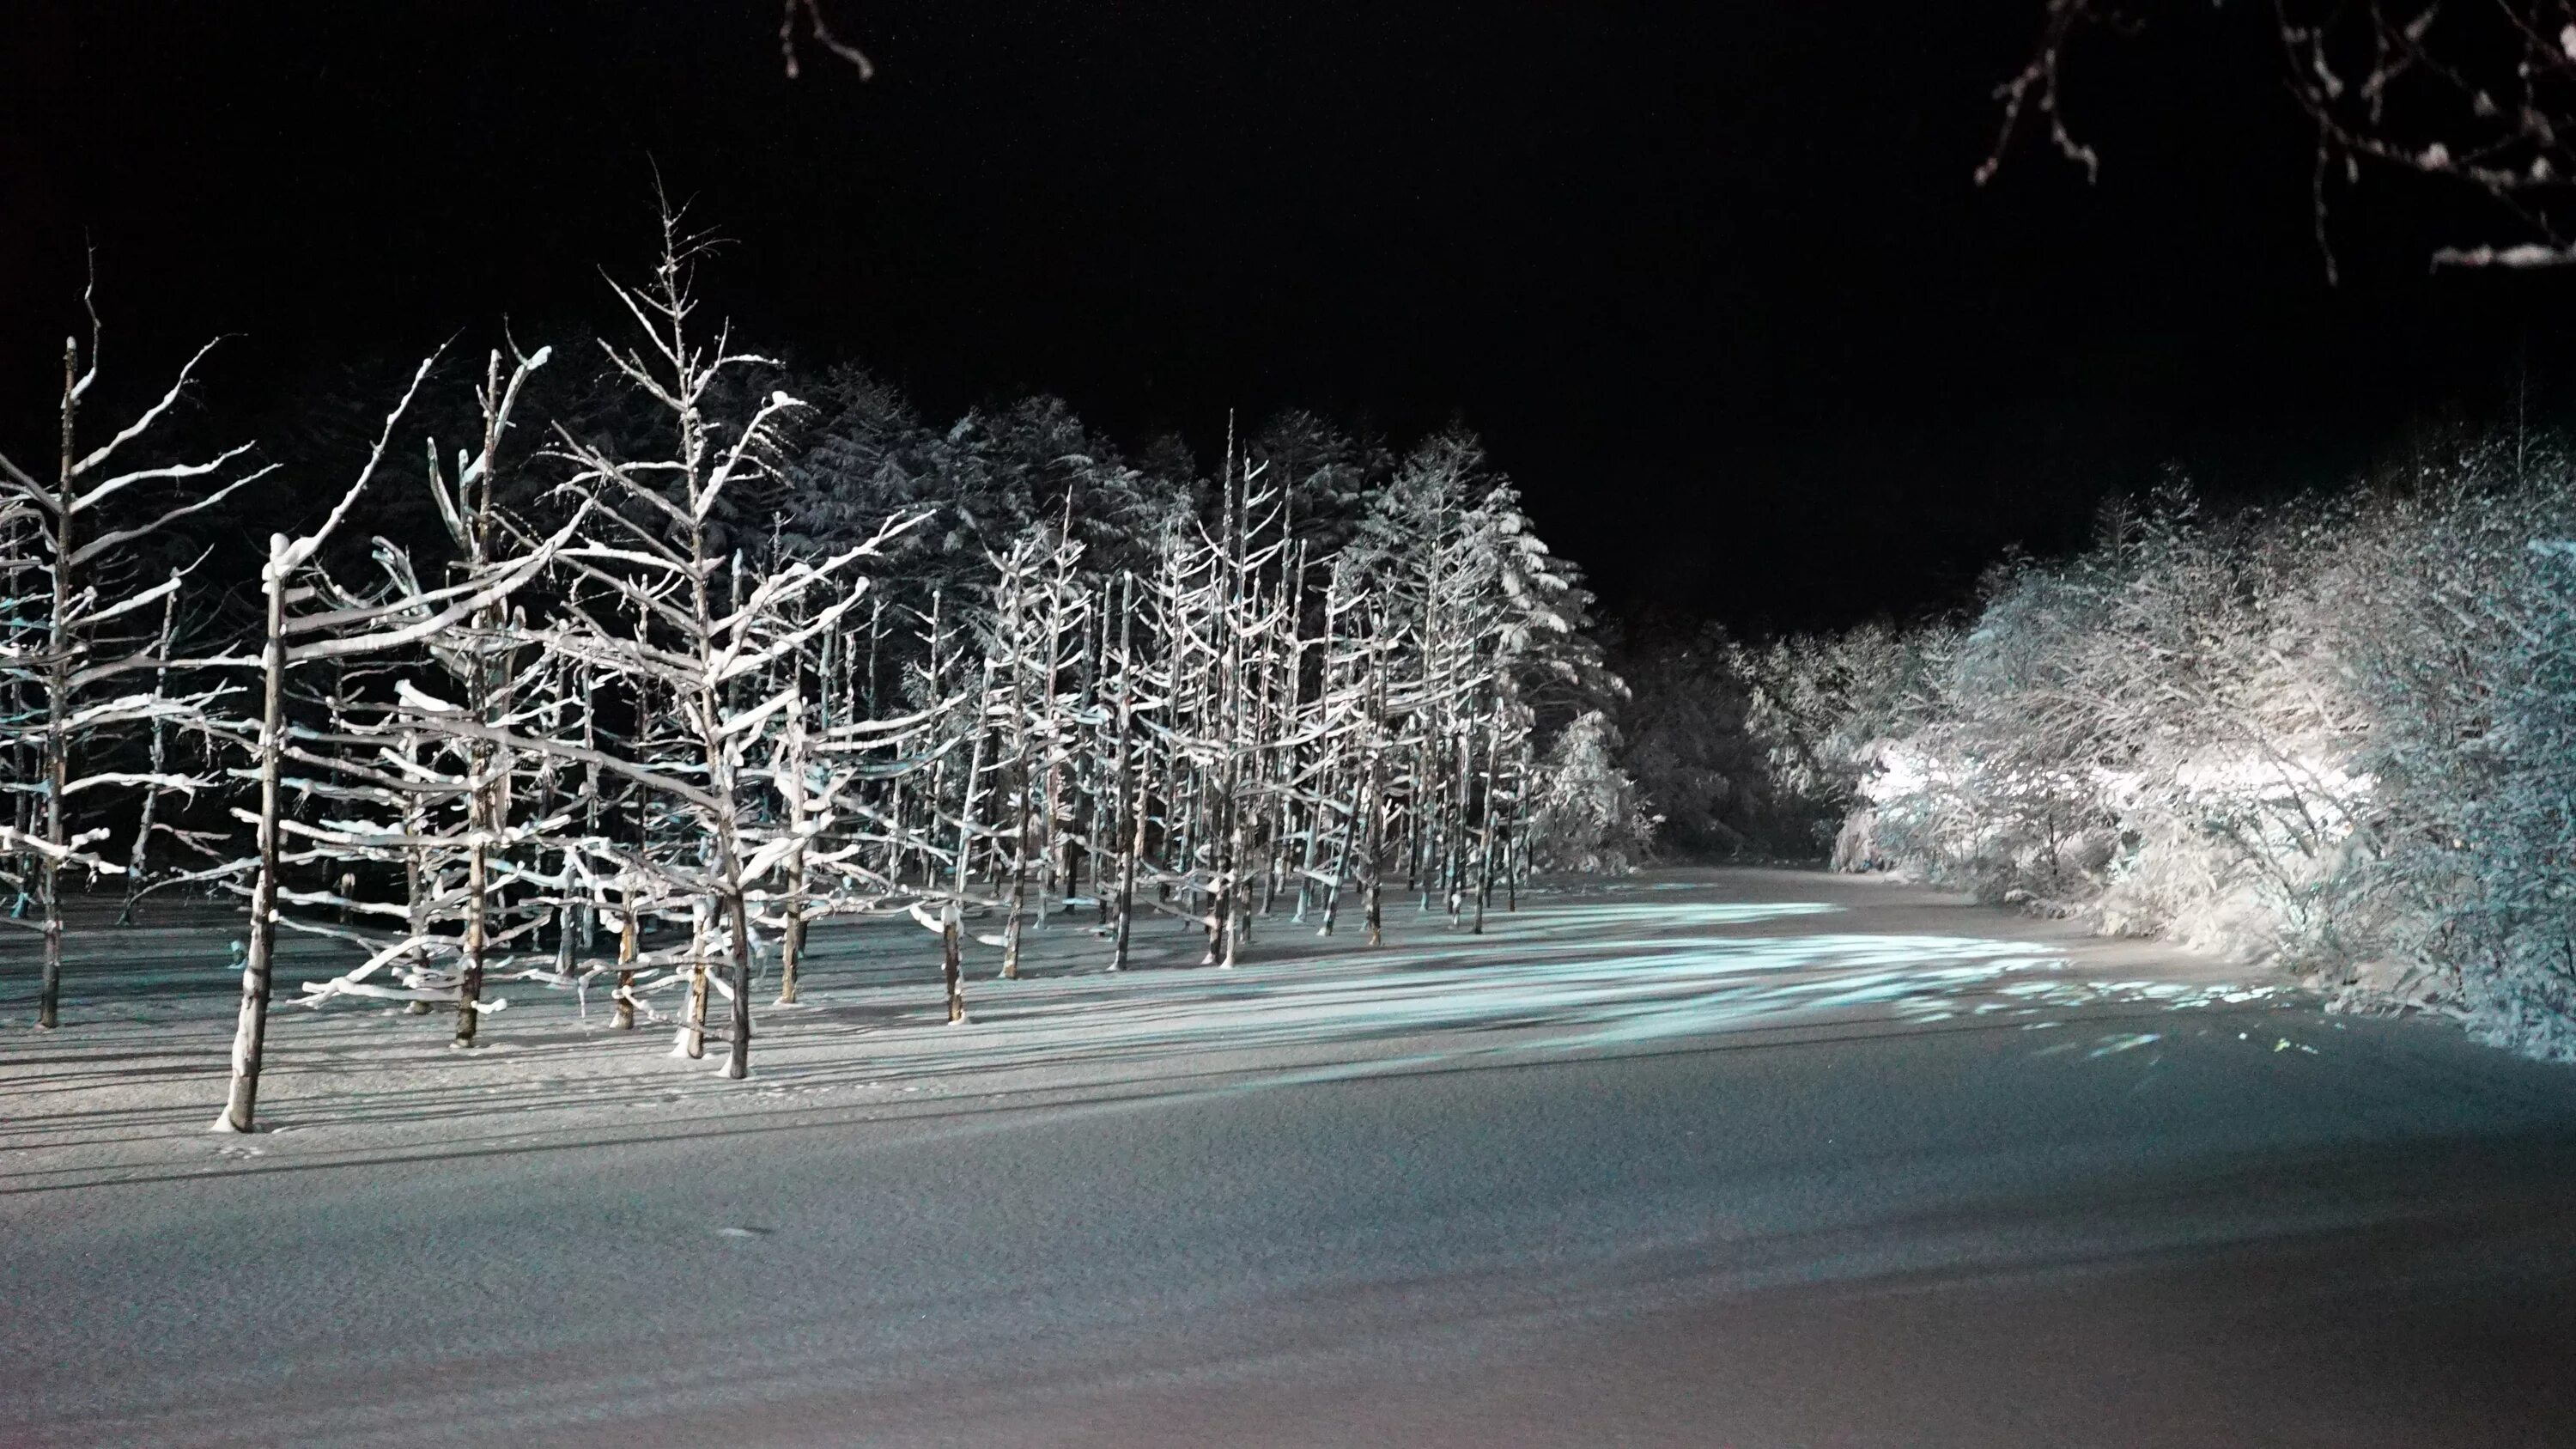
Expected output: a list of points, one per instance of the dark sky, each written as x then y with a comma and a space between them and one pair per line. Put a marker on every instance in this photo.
1711, 279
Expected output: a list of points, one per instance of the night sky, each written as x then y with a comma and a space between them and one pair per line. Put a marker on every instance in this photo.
1712, 279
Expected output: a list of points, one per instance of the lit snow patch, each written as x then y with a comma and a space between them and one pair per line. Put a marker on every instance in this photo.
2114, 1045
1573, 994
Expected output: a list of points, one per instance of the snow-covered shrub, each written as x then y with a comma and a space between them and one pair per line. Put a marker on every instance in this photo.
1584, 810
2148, 735
2460, 614
2000, 790
2231, 778
2341, 736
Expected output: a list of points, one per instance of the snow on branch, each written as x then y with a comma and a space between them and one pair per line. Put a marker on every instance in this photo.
2480, 97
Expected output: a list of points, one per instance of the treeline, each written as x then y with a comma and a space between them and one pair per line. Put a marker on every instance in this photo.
2339, 733
703, 653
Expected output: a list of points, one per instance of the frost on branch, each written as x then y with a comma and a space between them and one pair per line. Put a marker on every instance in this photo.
800, 21
2479, 97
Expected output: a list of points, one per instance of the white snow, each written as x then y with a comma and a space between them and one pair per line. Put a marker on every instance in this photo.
131, 1080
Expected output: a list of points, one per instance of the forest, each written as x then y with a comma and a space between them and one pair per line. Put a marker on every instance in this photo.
680, 651
626, 666
835, 722
626, 680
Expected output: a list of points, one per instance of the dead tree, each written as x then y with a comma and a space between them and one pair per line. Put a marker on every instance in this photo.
2481, 98
357, 627
644, 609
65, 678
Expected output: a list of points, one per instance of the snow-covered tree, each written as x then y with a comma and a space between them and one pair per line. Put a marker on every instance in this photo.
353, 625
1585, 814
711, 649
85, 668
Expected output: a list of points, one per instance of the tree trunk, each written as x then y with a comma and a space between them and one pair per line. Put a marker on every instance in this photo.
138, 863
1129, 821
952, 962
250, 1030
952, 928
625, 1020
469, 983
693, 1030
58, 688
791, 936
1372, 857
738, 1023
1485, 823
1342, 856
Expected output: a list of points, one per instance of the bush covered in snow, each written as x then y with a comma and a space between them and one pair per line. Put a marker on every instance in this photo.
2340, 735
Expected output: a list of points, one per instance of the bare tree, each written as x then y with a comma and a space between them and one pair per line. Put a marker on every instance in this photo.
2481, 96
648, 611
808, 15
356, 626
65, 674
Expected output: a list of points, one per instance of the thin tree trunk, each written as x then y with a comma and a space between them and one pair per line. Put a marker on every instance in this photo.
1020, 782
1485, 822
738, 1021
591, 783
250, 1030
487, 814
469, 986
1372, 858
138, 862
952, 929
791, 935
791, 938
952, 962
1129, 821
58, 702
626, 933
693, 1031
1360, 802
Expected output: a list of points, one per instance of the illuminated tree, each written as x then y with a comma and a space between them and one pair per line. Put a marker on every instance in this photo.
78, 641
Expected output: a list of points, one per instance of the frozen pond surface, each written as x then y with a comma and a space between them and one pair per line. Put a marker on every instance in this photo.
1720, 1158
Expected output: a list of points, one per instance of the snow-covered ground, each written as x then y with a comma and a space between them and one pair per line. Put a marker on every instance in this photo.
1730, 1157
137, 1076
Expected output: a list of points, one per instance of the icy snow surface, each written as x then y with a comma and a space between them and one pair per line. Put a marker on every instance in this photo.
1742, 1157
1587, 966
